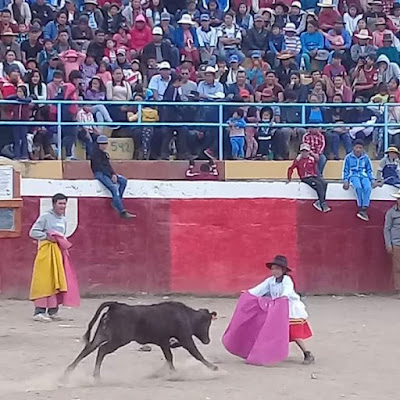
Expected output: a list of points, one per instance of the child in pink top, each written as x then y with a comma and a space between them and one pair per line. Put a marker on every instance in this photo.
72, 60
103, 73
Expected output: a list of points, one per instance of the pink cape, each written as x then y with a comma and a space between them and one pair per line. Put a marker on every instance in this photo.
70, 298
259, 330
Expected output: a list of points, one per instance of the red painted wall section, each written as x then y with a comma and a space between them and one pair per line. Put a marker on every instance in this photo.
220, 246
338, 253
111, 255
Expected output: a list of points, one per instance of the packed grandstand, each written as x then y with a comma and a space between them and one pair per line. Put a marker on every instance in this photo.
247, 51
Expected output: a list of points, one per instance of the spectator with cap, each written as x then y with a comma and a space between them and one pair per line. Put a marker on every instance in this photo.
234, 67
388, 49
104, 173
379, 34
159, 83
122, 61
358, 172
97, 46
363, 47
94, 14
186, 39
257, 37
50, 67
255, 73
8, 43
167, 27
230, 38
233, 90
389, 168
298, 17
207, 37
292, 40
42, 11
113, 19
141, 36
395, 16
159, 49
312, 44
306, 165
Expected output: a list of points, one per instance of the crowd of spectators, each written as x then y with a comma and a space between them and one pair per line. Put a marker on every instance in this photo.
244, 51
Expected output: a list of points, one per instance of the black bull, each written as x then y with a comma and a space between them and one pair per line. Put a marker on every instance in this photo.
167, 325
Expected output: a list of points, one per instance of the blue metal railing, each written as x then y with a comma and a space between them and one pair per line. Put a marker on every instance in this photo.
382, 111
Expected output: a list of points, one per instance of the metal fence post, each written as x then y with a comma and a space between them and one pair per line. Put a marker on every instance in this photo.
221, 132
385, 128
59, 141
303, 114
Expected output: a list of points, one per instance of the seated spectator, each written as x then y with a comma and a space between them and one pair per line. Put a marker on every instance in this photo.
361, 25
191, 10
186, 39
118, 90
122, 62
339, 133
234, 68
306, 166
104, 73
357, 172
292, 40
210, 89
72, 12
113, 19
159, 49
64, 42
153, 13
8, 43
313, 45
72, 61
394, 90
42, 11
394, 16
265, 134
159, 83
207, 37
319, 91
327, 16
216, 13
281, 13
244, 19
286, 67
339, 86
295, 85
35, 86
388, 49
9, 62
387, 70
122, 37
141, 36
132, 11
389, 168
316, 140
394, 117
97, 46
256, 71
230, 38
94, 14
359, 115
168, 29
81, 33
298, 17
338, 40
234, 89
365, 77
110, 52
335, 68
31, 47
257, 37
270, 83
51, 30
54, 88
188, 64
379, 34
6, 22
382, 95
363, 48
104, 172
236, 130
276, 45
89, 70
351, 18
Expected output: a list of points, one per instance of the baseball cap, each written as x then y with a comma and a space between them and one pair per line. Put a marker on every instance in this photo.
165, 16
164, 65
305, 146
267, 92
244, 93
121, 51
256, 54
102, 139
157, 30
140, 18
233, 59
204, 17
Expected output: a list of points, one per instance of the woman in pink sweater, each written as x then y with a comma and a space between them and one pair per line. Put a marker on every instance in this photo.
72, 61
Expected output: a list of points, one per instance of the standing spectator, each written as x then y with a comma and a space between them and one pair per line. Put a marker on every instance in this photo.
207, 37
363, 48
20, 12
389, 168
31, 47
97, 46
312, 43
8, 43
357, 172
391, 234
159, 83
388, 49
186, 39
230, 38
266, 133
316, 140
52, 28
94, 14
104, 172
42, 11
252, 117
306, 166
236, 130
140, 36
257, 37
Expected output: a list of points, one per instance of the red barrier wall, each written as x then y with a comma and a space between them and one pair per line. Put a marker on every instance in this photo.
211, 246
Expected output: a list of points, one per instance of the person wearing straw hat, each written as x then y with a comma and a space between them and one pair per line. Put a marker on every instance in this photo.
292, 40
280, 284
391, 233
328, 15
388, 49
363, 47
186, 39
286, 66
389, 167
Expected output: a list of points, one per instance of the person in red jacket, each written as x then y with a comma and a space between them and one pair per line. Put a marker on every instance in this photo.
141, 36
306, 167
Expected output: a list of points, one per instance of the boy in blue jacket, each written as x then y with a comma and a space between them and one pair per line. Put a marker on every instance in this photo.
357, 172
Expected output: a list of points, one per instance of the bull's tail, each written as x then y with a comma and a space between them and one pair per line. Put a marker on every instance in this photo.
86, 336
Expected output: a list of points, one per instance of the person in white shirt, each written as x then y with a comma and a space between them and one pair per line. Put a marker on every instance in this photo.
207, 36
159, 83
281, 285
230, 38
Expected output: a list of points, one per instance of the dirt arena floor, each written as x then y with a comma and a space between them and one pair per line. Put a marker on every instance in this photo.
356, 344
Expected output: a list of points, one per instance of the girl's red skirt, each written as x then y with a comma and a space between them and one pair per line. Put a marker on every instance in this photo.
299, 329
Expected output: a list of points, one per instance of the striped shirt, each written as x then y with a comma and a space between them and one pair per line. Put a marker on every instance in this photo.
293, 44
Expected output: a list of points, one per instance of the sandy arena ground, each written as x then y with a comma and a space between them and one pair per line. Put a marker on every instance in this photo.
356, 344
